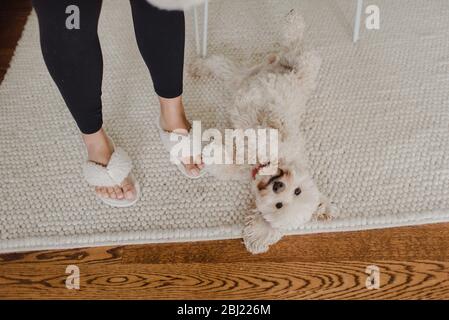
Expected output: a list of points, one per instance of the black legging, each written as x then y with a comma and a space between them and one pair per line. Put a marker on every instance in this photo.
74, 60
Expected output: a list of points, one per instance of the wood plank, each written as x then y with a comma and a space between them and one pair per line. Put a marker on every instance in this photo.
94, 255
13, 16
427, 242
267, 280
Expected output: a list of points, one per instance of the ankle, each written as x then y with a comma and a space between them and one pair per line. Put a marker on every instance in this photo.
172, 114
98, 147
173, 122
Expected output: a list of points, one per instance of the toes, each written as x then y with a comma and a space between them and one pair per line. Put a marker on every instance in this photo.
104, 192
192, 169
190, 166
126, 191
199, 162
111, 193
129, 195
129, 191
118, 191
193, 165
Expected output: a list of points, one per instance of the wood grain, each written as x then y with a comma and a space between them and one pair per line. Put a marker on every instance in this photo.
413, 261
408, 243
267, 280
95, 255
13, 16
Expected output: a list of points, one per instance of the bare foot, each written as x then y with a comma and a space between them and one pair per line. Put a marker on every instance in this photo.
99, 150
173, 118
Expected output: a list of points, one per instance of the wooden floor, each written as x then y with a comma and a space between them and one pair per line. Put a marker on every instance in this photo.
413, 261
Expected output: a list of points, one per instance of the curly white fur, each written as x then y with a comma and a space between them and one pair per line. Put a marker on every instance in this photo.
273, 94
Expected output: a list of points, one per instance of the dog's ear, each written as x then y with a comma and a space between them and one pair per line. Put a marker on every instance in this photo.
258, 234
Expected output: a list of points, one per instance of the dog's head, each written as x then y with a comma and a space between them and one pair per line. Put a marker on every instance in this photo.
288, 197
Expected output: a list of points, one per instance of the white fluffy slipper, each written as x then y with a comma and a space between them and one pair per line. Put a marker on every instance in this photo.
169, 144
118, 168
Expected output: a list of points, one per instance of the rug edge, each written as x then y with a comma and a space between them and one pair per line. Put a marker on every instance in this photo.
216, 233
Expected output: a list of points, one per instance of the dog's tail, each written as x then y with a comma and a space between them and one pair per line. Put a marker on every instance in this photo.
293, 30
217, 66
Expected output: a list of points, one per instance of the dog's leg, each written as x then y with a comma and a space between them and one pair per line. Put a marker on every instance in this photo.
293, 31
258, 234
309, 65
305, 69
219, 67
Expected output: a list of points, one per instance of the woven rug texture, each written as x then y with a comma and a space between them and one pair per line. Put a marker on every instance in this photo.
377, 128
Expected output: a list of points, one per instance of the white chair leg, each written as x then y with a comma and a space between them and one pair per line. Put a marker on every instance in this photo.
195, 26
201, 44
358, 17
205, 28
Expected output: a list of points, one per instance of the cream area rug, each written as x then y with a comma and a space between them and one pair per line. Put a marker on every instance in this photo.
377, 128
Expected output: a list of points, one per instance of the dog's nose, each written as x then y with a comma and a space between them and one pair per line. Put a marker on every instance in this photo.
278, 186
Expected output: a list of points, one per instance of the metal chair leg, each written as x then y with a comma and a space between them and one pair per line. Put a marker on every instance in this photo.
195, 26
201, 45
358, 17
205, 28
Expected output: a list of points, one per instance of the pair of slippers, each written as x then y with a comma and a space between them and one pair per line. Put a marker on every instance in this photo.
120, 167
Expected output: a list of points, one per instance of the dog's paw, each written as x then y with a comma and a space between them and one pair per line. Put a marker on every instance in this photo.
323, 217
258, 234
199, 68
293, 29
326, 211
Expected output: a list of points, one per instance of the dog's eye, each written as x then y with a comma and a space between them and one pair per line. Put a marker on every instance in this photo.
297, 191
279, 205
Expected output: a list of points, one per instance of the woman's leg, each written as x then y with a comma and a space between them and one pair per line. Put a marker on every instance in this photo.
74, 61
160, 36
73, 57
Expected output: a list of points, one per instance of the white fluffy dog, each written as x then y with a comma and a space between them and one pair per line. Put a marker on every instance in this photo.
273, 94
